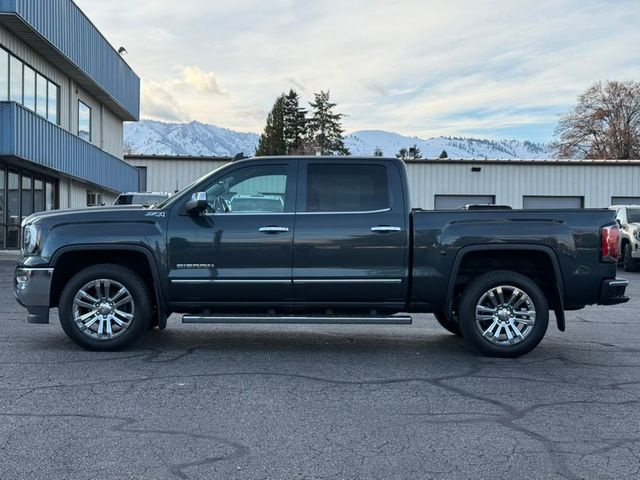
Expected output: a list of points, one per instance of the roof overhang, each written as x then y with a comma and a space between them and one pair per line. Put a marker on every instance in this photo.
64, 36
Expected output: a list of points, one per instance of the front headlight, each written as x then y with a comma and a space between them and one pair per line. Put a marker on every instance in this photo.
30, 239
637, 234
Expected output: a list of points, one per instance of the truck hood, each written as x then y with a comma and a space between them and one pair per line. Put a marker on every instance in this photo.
89, 213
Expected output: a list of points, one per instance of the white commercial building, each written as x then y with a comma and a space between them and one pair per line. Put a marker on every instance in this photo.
443, 184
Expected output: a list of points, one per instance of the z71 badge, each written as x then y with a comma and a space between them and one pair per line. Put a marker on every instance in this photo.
156, 214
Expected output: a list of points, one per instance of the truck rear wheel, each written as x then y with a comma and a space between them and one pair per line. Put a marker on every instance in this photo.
449, 325
105, 307
503, 314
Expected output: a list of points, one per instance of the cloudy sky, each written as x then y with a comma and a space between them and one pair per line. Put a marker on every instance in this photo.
484, 68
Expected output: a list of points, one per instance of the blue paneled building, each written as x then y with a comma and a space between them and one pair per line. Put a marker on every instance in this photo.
64, 95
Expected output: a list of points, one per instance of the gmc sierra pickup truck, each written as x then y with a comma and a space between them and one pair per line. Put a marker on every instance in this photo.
315, 240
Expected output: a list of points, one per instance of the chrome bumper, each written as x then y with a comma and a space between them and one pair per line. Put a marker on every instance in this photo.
613, 291
32, 288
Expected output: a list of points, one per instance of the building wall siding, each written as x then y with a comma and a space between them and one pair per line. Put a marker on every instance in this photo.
66, 27
112, 134
172, 175
30, 137
107, 128
509, 182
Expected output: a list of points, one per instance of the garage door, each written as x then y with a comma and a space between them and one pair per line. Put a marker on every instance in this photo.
625, 200
553, 203
451, 202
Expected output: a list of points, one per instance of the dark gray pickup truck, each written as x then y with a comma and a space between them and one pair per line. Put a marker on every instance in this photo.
315, 240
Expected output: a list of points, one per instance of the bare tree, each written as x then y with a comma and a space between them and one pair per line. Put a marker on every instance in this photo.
604, 124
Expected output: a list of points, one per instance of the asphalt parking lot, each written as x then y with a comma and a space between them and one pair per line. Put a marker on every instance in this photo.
271, 402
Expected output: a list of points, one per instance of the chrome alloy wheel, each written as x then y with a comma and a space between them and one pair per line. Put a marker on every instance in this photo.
505, 315
103, 309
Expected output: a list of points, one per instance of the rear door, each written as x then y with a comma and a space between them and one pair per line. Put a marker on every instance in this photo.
351, 234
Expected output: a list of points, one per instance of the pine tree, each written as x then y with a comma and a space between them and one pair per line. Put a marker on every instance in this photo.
410, 153
272, 140
378, 152
295, 124
414, 152
444, 154
325, 129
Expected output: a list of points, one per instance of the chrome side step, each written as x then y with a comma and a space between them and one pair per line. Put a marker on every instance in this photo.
292, 319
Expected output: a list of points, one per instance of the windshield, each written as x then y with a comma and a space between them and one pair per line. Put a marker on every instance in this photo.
633, 215
173, 198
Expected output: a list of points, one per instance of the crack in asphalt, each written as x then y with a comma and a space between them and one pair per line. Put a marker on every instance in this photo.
126, 425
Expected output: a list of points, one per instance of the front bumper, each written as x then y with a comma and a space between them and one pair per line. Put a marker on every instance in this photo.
32, 288
612, 291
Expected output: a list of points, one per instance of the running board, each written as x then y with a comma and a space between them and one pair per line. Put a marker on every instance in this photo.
290, 319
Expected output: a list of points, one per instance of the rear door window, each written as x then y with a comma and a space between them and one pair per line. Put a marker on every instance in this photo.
347, 188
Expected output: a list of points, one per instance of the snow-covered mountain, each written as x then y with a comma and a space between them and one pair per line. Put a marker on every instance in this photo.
149, 137
365, 142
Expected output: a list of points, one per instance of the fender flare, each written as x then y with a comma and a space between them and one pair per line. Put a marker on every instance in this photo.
559, 290
160, 298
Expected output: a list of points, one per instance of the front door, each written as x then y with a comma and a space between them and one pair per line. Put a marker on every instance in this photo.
351, 239
240, 250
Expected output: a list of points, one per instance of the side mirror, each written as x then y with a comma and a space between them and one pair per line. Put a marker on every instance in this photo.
197, 204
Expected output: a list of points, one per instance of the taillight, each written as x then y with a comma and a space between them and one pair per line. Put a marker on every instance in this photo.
610, 238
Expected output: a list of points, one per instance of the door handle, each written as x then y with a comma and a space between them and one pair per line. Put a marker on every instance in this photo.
385, 229
273, 229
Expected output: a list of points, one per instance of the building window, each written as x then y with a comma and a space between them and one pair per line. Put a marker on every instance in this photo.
4, 75
21, 193
84, 121
41, 95
15, 80
24, 85
94, 199
29, 93
52, 107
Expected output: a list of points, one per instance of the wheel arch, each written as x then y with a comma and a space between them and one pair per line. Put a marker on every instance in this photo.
85, 255
557, 300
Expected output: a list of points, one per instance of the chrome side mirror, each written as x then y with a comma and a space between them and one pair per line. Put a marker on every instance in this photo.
197, 204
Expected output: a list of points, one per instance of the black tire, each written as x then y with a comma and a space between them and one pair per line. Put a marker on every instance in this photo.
449, 325
138, 291
629, 264
475, 292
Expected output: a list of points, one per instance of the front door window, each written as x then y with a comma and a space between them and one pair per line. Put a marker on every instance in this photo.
249, 190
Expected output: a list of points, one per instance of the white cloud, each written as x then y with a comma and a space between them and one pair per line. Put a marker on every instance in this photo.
194, 80
414, 66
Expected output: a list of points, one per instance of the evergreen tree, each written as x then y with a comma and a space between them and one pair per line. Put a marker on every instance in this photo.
414, 152
410, 153
272, 140
444, 154
295, 124
378, 152
325, 128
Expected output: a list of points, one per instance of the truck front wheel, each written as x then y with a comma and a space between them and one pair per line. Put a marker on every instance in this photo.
503, 314
105, 307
